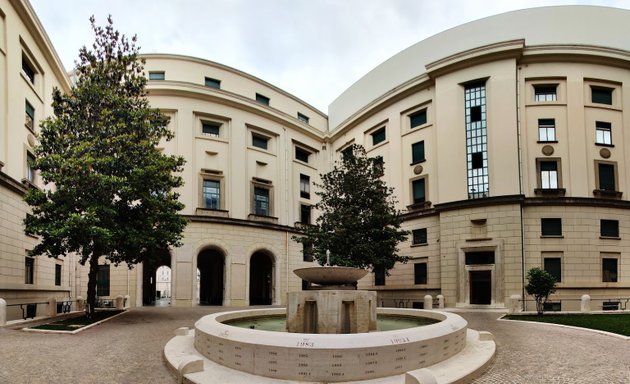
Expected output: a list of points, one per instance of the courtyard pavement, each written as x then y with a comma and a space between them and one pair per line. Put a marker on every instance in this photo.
128, 349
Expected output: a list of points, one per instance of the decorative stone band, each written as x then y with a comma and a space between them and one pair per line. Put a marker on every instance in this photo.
328, 357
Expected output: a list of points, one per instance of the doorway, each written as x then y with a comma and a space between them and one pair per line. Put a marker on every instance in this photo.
260, 279
480, 287
210, 267
150, 277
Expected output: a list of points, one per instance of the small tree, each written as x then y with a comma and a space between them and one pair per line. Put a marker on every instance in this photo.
358, 224
540, 285
112, 188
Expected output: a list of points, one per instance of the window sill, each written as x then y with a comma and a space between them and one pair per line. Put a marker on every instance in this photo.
547, 142
550, 191
418, 162
551, 236
610, 237
212, 212
419, 206
265, 219
374, 146
419, 245
605, 145
607, 194
211, 138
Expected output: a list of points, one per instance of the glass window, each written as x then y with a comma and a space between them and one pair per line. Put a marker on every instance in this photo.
347, 152
609, 228
212, 83
301, 154
305, 214
476, 140
307, 251
29, 115
30, 167
417, 119
262, 99
420, 273
545, 92
156, 75
212, 194
210, 128
553, 266
609, 270
551, 227
29, 270
102, 280
28, 70
548, 175
305, 186
379, 276
303, 117
259, 141
419, 236
546, 130
601, 95
378, 136
57, 274
606, 176
261, 201
603, 134
417, 152
418, 191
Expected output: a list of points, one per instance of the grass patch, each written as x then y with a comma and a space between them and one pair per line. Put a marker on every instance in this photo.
74, 323
614, 323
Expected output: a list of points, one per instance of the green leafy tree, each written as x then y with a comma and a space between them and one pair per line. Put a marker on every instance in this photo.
540, 284
108, 189
358, 223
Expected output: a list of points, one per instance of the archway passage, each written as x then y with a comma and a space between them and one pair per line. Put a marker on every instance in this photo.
260, 279
163, 286
149, 276
211, 264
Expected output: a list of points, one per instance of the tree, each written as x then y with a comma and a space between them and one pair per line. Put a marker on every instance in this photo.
358, 223
540, 285
108, 190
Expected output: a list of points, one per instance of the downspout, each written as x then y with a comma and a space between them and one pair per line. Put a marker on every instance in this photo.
520, 182
286, 205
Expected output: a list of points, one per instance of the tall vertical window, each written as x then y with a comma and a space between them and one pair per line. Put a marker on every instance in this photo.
57, 274
307, 251
609, 270
420, 273
417, 119
305, 214
602, 95
211, 194
548, 174
606, 176
30, 167
603, 133
418, 191
29, 115
545, 92
261, 201
553, 266
417, 152
546, 130
262, 99
476, 140
102, 280
28, 70
305, 186
379, 276
378, 136
29, 270
212, 83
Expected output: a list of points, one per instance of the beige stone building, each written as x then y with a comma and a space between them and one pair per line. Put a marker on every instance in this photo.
504, 141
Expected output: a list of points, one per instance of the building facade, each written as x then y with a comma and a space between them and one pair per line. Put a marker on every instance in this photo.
505, 146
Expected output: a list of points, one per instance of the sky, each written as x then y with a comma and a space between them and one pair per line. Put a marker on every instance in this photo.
313, 49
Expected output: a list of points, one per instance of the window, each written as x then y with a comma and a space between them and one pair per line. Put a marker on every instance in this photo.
303, 117
609, 270
307, 251
553, 266
602, 95
603, 133
301, 154
419, 236
606, 176
29, 270
261, 201
305, 214
262, 99
479, 258
210, 128
378, 136
260, 141
551, 227
211, 194
102, 280
420, 273
609, 228
546, 130
29, 115
379, 276
417, 119
418, 190
305, 186
476, 140
417, 152
30, 167
156, 75
57, 274
545, 92
548, 174
27, 69
347, 152
476, 160
212, 83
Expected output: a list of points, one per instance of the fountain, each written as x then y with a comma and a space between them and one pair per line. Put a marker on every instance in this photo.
330, 337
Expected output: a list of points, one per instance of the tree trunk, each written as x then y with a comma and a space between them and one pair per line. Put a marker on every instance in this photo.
91, 291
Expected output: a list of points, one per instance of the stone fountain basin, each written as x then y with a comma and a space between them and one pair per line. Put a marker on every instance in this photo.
329, 357
331, 275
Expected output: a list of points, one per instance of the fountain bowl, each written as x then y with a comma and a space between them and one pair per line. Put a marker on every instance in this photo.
334, 275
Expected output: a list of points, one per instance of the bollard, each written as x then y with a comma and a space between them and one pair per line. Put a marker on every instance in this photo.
80, 304
515, 304
585, 305
119, 302
440, 301
428, 302
3, 312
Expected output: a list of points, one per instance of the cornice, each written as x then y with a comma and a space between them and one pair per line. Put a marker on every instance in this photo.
241, 222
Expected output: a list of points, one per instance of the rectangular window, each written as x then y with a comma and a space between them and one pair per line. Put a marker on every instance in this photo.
260, 141
305, 186
476, 140
417, 119
262, 99
57, 274
479, 258
548, 174
418, 189
609, 270
553, 265
419, 236
210, 128
603, 133
261, 201
157, 75
347, 152
546, 92
551, 227
102, 280
305, 214
303, 117
307, 252
301, 154
606, 173
420, 273
378, 136
379, 276
609, 228
546, 130
602, 95
212, 83
28, 69
30, 167
417, 152
29, 270
211, 194
29, 115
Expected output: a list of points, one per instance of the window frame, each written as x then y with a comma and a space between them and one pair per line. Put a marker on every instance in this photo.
29, 116
29, 69
262, 99
597, 90
262, 138
212, 82
157, 75
379, 136
29, 270
31, 172
551, 227
603, 129
303, 152
211, 124
610, 277
609, 229
558, 277
424, 181
540, 176
259, 184
303, 118
418, 235
303, 210
58, 274
598, 167
421, 274
103, 285
416, 114
305, 186
204, 200
414, 160
548, 125
545, 96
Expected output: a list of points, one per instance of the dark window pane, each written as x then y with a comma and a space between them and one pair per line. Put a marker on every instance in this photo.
418, 191
305, 214
420, 273
303, 117
57, 274
259, 141
261, 201
210, 128
609, 270
606, 177
483, 257
553, 267
548, 166
475, 113
419, 236
477, 160
211, 194
307, 252
305, 186
379, 276
609, 228
551, 227
29, 270
212, 83
601, 95
545, 92
418, 119
378, 136
262, 99
301, 154
417, 152
347, 152
28, 70
102, 280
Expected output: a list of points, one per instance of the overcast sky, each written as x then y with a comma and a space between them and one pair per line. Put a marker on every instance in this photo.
314, 49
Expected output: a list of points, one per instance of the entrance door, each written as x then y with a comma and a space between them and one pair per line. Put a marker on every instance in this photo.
480, 287
260, 279
210, 263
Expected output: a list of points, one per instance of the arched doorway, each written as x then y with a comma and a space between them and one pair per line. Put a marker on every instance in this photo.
260, 279
163, 285
150, 278
210, 264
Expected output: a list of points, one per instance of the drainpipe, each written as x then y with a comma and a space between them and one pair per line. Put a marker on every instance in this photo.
520, 181
287, 160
